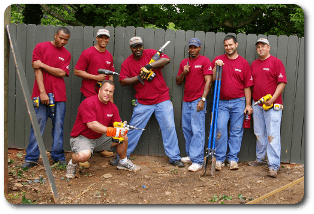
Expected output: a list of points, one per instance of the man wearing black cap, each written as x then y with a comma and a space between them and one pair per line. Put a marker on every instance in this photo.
197, 72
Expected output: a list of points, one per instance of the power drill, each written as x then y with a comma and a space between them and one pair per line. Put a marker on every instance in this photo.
264, 100
107, 72
122, 125
152, 74
52, 105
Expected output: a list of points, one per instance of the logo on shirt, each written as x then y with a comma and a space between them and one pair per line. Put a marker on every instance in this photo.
280, 75
210, 68
236, 69
68, 67
108, 62
61, 58
198, 66
251, 78
266, 69
109, 115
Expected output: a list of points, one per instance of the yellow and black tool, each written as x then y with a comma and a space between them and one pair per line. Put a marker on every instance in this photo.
106, 72
263, 100
152, 74
120, 139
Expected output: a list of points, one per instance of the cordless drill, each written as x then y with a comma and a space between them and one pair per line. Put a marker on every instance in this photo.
152, 74
106, 72
264, 100
119, 138
52, 105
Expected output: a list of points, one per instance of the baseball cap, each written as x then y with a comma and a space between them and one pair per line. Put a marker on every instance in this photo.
262, 40
136, 41
195, 41
101, 32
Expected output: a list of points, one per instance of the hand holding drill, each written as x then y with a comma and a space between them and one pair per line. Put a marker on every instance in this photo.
264, 100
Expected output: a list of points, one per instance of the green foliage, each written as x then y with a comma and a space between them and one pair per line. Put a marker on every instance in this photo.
268, 19
26, 201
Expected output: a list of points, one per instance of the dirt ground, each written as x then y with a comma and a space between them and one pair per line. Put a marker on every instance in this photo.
158, 182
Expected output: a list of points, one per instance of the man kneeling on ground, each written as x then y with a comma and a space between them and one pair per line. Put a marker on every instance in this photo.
93, 130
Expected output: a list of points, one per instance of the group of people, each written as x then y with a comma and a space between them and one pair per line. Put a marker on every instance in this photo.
94, 130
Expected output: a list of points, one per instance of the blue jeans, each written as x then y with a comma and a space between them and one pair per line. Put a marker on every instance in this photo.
232, 110
165, 117
267, 132
193, 126
42, 113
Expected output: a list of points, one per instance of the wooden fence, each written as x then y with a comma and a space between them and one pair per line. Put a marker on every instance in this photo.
289, 49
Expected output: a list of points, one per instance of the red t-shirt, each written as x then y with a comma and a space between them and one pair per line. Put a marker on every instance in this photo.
194, 79
236, 75
55, 57
90, 61
266, 75
153, 92
92, 109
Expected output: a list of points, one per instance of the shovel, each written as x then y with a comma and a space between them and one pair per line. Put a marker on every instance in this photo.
210, 151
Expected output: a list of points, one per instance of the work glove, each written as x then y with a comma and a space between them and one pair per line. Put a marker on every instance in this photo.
116, 132
145, 71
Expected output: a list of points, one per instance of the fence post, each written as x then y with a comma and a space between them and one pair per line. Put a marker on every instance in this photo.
7, 17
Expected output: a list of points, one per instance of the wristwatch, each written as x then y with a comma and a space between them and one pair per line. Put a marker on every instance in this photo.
204, 99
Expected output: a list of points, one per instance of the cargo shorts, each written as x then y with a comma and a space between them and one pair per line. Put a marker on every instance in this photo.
81, 143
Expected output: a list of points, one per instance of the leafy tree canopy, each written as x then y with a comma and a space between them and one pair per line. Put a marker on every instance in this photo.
268, 19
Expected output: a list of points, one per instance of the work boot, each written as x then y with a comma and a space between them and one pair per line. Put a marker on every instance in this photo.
272, 173
177, 163
219, 165
85, 164
28, 164
233, 165
257, 163
106, 154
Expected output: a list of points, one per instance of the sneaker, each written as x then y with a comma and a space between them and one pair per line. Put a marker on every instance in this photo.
177, 163
195, 167
219, 165
256, 163
114, 161
233, 165
129, 166
272, 173
186, 159
28, 164
63, 162
71, 168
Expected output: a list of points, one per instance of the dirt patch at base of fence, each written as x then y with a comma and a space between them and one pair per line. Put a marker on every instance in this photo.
158, 182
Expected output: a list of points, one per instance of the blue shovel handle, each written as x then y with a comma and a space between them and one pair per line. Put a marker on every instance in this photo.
216, 108
214, 114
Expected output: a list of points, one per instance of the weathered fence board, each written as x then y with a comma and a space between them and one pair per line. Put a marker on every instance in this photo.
289, 49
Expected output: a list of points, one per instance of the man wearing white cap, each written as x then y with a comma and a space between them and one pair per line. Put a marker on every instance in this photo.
90, 61
269, 77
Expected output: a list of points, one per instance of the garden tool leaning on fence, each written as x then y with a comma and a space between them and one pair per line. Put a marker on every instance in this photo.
210, 151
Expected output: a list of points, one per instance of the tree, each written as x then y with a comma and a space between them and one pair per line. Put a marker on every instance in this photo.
275, 19
32, 14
